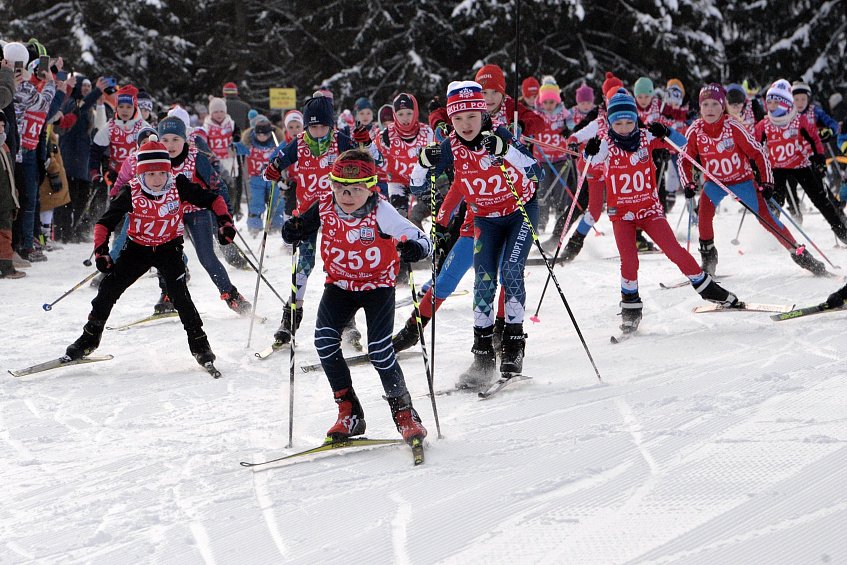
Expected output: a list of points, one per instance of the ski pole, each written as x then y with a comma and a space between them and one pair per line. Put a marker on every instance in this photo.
261, 262
48, 307
253, 266
547, 262
584, 174
246, 246
532, 140
429, 379
432, 192
790, 219
293, 328
690, 206
741, 223
681, 214
87, 262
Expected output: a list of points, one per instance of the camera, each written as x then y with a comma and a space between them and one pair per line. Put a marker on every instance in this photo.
111, 86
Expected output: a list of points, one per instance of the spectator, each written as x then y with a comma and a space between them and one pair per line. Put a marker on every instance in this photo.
236, 107
145, 108
8, 206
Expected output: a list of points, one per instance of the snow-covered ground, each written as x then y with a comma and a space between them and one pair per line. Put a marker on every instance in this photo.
712, 438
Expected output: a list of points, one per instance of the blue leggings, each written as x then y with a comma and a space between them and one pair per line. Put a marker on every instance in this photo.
199, 227
260, 193
745, 191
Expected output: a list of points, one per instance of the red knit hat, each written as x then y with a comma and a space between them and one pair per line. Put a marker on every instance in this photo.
465, 96
529, 87
611, 83
128, 95
153, 156
491, 77
230, 88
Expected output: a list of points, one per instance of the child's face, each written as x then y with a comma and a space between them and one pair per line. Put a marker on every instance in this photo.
262, 136
145, 114
644, 100
801, 101
156, 180
493, 99
173, 143
711, 110
734, 110
585, 107
467, 124
549, 105
623, 127
218, 116
294, 128
319, 131
125, 111
531, 100
365, 116
350, 197
772, 105
404, 117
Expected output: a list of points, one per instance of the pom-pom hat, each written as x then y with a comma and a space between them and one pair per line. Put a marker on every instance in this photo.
780, 92
230, 88
611, 82
584, 94
549, 92
465, 96
152, 157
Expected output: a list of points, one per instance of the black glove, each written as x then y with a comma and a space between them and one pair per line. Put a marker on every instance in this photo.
833, 301
292, 230
410, 251
592, 147
826, 135
690, 190
400, 203
226, 231
573, 146
566, 132
819, 162
435, 104
111, 177
495, 145
430, 156
766, 188
661, 155
102, 259
442, 236
659, 130
361, 135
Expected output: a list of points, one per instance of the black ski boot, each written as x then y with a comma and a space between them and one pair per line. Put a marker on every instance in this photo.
198, 343
573, 247
408, 335
643, 244
713, 292
92, 331
480, 372
351, 417
352, 335
406, 418
164, 305
497, 338
709, 256
236, 302
631, 307
283, 334
809, 263
514, 340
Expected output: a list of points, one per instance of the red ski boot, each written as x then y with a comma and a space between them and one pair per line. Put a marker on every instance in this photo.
351, 417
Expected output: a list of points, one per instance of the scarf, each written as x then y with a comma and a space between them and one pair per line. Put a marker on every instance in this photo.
783, 121
318, 146
629, 143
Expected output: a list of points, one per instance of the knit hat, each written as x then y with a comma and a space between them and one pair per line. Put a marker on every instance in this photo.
230, 89
152, 156
735, 94
713, 91
355, 168
643, 86
403, 101
801, 87
180, 113
386, 114
144, 100
675, 90
611, 82
127, 95
363, 104
216, 105
252, 114
14, 52
144, 134
584, 94
465, 96
491, 77
258, 118
621, 106
549, 92
318, 112
262, 125
780, 91
325, 92
172, 125
529, 87
293, 116
200, 109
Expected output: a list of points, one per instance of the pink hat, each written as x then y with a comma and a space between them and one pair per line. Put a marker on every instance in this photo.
584, 94
549, 92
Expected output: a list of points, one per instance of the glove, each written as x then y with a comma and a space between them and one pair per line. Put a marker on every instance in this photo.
96, 176
435, 104
274, 170
566, 132
292, 230
430, 156
659, 130
573, 146
442, 130
442, 236
111, 176
495, 145
690, 190
819, 162
410, 251
592, 147
226, 231
833, 301
102, 259
661, 155
361, 135
766, 188
400, 203
826, 135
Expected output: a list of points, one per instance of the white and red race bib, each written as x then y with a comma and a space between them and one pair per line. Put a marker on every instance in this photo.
154, 222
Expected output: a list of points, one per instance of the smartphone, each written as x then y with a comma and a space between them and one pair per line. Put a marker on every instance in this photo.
62, 75
44, 63
19, 64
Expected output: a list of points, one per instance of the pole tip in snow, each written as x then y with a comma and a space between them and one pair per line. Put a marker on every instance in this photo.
535, 319
47, 307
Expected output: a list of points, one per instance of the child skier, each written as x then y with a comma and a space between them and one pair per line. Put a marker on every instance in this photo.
554, 132
222, 132
118, 137
499, 223
257, 143
633, 202
360, 252
152, 202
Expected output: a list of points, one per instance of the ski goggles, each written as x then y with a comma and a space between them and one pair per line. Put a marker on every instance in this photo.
345, 173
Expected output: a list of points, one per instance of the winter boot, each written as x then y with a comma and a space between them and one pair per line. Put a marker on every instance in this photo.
88, 341
573, 247
642, 243
283, 334
352, 335
164, 305
497, 338
511, 360
713, 292
407, 336
351, 417
809, 263
480, 372
406, 418
198, 343
709, 256
236, 302
631, 307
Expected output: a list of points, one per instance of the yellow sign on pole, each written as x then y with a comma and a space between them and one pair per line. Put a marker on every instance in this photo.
283, 98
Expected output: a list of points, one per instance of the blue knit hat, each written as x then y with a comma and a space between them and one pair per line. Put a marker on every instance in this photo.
172, 125
363, 104
621, 107
318, 112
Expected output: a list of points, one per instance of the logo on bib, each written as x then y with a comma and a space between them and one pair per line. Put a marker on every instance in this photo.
367, 235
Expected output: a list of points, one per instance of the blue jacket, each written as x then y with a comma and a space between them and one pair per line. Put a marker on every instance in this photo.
75, 144
822, 119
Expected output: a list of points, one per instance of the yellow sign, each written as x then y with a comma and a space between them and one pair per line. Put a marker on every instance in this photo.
283, 98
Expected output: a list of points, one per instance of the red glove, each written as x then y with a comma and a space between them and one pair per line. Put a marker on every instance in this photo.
96, 176
102, 258
273, 171
361, 135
